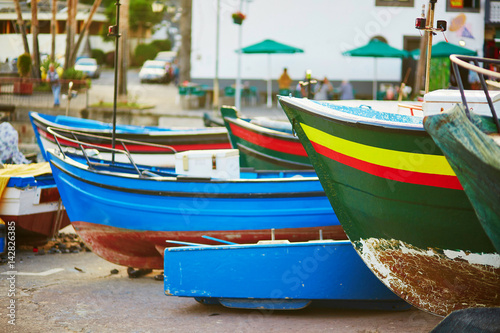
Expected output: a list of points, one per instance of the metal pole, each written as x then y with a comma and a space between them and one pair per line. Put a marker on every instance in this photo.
430, 21
216, 79
269, 83
115, 96
237, 97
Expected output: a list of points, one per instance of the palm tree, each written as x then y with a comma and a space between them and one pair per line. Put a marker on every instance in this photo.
185, 50
84, 31
21, 25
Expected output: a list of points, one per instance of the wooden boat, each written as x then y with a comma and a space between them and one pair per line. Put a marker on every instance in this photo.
177, 139
276, 275
265, 144
126, 212
471, 146
30, 199
399, 201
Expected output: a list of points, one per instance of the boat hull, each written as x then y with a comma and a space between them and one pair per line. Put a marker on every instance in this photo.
125, 218
276, 276
179, 140
37, 212
475, 158
263, 148
402, 207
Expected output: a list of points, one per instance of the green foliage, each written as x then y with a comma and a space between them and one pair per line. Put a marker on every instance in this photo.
72, 74
140, 13
99, 55
440, 73
42, 87
46, 63
162, 44
24, 65
144, 52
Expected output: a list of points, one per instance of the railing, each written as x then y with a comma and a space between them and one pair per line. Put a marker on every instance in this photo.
464, 61
29, 92
142, 172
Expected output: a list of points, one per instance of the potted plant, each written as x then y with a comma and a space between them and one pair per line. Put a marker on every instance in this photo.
238, 17
24, 86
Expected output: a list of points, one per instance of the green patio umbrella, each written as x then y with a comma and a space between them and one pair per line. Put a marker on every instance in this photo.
376, 49
269, 47
444, 50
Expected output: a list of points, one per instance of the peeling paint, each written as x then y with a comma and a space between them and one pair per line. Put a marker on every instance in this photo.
435, 280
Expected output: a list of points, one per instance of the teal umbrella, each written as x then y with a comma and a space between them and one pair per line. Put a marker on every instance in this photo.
269, 47
444, 50
376, 49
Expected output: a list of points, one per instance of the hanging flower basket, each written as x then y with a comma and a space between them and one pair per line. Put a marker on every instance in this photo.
238, 17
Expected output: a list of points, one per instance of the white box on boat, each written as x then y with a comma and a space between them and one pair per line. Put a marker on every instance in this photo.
216, 163
443, 99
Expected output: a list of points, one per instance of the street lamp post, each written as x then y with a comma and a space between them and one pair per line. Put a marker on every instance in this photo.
216, 78
114, 31
237, 98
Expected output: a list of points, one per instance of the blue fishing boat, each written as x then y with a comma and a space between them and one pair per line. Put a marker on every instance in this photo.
125, 212
148, 145
276, 275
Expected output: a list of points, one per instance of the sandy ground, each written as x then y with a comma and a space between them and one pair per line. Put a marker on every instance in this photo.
77, 293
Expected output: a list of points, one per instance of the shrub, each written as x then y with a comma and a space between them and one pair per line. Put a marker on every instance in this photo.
144, 52
72, 74
110, 59
162, 44
99, 55
24, 65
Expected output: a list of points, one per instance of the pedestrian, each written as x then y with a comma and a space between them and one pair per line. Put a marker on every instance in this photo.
53, 80
346, 91
284, 81
322, 90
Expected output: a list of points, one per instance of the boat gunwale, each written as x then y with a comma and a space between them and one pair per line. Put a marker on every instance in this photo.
337, 117
36, 117
253, 246
186, 178
259, 129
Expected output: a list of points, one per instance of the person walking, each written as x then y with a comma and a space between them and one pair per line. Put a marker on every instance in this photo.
346, 90
322, 90
284, 81
55, 85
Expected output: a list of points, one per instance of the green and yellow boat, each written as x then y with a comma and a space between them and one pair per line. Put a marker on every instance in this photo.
399, 201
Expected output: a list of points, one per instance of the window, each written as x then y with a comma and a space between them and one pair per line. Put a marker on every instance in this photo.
463, 6
394, 3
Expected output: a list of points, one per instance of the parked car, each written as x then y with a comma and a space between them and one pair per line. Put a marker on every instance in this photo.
89, 67
168, 56
155, 71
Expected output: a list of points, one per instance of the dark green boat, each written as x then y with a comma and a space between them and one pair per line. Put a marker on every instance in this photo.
265, 144
399, 202
471, 144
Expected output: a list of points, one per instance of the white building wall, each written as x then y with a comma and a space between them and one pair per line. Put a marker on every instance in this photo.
322, 28
12, 44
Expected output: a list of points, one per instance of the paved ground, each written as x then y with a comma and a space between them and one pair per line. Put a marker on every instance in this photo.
83, 296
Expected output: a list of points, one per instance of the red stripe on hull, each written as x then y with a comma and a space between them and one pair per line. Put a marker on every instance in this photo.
282, 146
144, 249
399, 175
143, 148
36, 229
